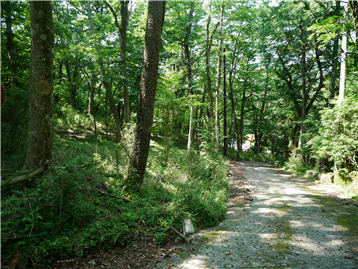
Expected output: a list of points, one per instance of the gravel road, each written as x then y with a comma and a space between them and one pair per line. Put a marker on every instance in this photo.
286, 224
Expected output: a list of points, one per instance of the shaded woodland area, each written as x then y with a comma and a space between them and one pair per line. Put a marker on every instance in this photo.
120, 118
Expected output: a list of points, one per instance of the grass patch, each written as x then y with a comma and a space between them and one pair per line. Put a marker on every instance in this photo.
345, 215
214, 234
284, 230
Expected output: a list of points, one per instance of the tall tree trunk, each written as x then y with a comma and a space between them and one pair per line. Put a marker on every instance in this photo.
10, 45
218, 78
138, 163
354, 7
123, 31
40, 139
242, 111
332, 85
304, 95
106, 84
209, 41
258, 136
225, 120
233, 110
91, 96
189, 75
72, 83
59, 81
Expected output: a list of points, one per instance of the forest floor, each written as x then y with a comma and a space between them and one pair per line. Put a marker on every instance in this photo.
146, 254
274, 220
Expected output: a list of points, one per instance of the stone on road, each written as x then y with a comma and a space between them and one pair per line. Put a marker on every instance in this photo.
284, 226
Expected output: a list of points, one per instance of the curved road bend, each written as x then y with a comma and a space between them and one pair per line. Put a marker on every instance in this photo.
285, 226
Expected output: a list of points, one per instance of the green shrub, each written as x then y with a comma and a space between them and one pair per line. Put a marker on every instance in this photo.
72, 211
337, 138
68, 117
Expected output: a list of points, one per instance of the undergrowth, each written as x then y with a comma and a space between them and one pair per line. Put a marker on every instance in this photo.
73, 210
250, 155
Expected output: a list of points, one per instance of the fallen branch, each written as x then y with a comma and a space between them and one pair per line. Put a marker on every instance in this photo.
178, 233
78, 166
84, 165
23, 178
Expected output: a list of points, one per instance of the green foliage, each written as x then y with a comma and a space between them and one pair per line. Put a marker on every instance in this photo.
296, 163
72, 210
327, 29
68, 117
196, 182
337, 138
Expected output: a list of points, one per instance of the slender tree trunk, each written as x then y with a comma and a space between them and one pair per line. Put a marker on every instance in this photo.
189, 75
72, 83
209, 40
258, 136
218, 78
113, 109
155, 21
242, 111
231, 94
304, 96
10, 44
106, 84
123, 31
233, 111
354, 7
332, 86
91, 97
225, 120
40, 139
201, 114
59, 81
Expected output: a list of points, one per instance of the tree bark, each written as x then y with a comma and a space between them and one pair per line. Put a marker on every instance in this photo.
354, 7
123, 32
10, 43
155, 21
72, 83
189, 75
91, 96
259, 133
332, 86
225, 120
209, 41
233, 110
40, 139
304, 95
242, 111
218, 78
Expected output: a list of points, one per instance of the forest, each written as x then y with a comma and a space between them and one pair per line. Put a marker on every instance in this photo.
121, 117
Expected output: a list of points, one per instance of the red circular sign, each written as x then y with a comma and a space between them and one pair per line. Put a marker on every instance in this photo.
2, 95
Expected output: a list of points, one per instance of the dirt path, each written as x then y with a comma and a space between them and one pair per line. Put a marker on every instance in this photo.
286, 225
